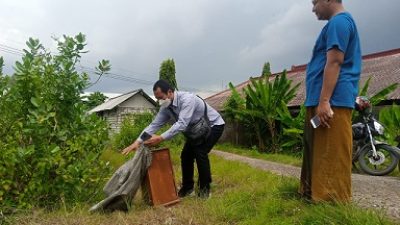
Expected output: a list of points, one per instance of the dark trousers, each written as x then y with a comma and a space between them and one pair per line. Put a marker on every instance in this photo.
199, 152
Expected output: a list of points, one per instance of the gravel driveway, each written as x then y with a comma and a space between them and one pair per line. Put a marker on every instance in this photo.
368, 191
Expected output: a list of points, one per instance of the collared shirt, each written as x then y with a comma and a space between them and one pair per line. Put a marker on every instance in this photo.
339, 33
188, 108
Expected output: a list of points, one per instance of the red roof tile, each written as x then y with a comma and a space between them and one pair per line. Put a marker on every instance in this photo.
384, 67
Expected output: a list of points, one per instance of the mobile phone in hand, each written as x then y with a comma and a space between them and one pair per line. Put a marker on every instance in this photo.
145, 136
315, 121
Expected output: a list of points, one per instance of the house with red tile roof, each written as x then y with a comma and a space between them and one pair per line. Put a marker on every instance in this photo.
384, 67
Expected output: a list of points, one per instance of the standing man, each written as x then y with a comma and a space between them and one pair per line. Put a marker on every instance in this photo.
184, 108
331, 89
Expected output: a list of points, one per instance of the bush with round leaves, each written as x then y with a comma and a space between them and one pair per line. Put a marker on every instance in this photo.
50, 146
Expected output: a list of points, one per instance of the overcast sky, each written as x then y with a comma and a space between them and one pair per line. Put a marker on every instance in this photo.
212, 42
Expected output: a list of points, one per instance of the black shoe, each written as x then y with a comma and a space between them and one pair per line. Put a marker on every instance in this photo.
184, 192
204, 193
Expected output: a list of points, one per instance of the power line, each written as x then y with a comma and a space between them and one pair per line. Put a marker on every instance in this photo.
140, 81
120, 68
117, 76
11, 48
10, 51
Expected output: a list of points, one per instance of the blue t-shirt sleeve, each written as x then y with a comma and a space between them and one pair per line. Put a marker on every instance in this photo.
338, 34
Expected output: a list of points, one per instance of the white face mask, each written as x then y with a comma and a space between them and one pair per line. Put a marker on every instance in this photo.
164, 102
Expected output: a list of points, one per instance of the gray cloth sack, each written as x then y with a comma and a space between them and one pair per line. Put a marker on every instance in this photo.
125, 182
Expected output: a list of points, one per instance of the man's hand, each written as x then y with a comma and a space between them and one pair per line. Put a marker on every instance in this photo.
334, 61
131, 148
154, 140
325, 113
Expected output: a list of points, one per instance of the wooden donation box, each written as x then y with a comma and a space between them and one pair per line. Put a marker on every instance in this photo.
160, 180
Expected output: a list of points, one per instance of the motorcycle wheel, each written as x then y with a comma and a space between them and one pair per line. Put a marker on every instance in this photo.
384, 164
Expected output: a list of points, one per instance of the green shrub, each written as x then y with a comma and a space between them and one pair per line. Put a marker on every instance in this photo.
263, 98
292, 130
50, 146
131, 127
390, 117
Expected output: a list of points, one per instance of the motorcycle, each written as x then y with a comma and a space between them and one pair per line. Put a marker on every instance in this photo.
375, 157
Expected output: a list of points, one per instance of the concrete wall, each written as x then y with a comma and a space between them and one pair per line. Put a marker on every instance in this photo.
136, 104
236, 134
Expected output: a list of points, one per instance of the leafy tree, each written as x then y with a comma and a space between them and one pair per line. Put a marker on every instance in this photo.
95, 99
266, 70
167, 72
50, 146
1, 65
232, 108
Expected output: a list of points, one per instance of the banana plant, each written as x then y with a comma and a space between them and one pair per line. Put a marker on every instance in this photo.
293, 128
381, 95
376, 98
264, 97
390, 116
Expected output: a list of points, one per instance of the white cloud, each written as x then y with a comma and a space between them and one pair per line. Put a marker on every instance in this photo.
212, 42
292, 32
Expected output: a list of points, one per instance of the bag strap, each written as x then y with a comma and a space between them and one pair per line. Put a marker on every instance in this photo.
173, 113
205, 110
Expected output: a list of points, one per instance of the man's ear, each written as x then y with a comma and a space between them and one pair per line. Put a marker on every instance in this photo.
170, 92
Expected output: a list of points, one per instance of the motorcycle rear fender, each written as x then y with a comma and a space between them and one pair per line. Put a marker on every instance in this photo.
395, 149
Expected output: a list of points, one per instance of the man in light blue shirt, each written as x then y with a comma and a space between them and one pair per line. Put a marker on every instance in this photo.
184, 108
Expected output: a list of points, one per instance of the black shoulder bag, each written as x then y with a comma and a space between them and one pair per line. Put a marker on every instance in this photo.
199, 129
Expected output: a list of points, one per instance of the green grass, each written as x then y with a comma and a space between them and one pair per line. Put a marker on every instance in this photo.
240, 195
278, 157
396, 172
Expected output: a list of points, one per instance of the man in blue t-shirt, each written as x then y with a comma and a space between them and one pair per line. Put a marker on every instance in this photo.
331, 89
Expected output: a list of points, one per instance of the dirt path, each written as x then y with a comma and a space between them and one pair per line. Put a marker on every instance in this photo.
368, 191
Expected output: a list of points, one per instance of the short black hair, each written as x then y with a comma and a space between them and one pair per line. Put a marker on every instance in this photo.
164, 86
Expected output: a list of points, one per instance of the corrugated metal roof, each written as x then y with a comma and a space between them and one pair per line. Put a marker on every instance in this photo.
113, 102
384, 67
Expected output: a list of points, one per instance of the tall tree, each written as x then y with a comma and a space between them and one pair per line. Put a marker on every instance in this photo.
1, 65
266, 70
167, 72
